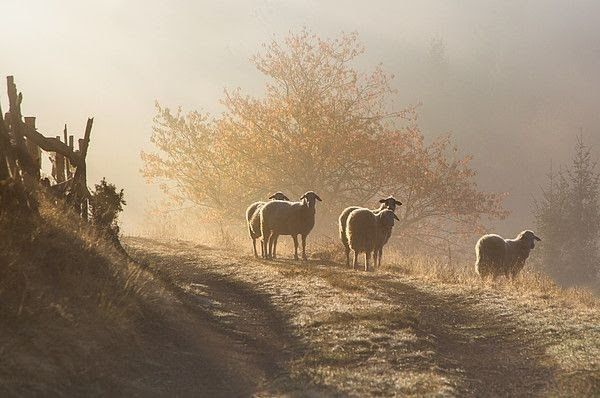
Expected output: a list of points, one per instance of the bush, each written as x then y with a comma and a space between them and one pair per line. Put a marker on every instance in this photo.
106, 204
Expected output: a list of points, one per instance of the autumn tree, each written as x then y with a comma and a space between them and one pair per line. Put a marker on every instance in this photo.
318, 124
321, 125
190, 165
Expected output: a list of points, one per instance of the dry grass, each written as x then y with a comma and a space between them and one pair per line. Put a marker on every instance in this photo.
66, 294
80, 319
529, 284
411, 332
564, 322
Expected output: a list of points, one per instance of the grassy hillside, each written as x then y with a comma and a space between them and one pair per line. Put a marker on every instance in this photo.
79, 318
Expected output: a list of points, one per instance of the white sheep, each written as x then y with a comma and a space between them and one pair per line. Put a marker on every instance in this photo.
288, 218
367, 232
387, 203
498, 256
253, 220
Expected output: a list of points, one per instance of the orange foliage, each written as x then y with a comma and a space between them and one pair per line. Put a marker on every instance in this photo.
321, 125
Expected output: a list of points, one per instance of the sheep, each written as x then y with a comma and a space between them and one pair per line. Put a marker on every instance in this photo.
288, 218
367, 231
387, 203
384, 232
253, 220
498, 256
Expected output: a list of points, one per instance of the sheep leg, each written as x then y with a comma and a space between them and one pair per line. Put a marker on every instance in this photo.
269, 245
276, 237
273, 245
304, 247
347, 256
367, 256
295, 237
254, 247
355, 263
380, 254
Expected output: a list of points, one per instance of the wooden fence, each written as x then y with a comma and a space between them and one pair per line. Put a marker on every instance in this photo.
21, 146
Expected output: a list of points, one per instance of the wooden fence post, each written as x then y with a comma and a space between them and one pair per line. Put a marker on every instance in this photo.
69, 164
16, 123
34, 151
58, 169
80, 178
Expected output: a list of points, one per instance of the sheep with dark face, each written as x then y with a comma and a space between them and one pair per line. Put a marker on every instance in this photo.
288, 218
368, 231
253, 220
497, 256
386, 203
385, 224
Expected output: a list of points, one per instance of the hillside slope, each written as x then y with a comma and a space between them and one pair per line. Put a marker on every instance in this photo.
329, 330
80, 319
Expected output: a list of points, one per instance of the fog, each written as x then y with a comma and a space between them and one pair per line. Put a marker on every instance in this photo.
514, 84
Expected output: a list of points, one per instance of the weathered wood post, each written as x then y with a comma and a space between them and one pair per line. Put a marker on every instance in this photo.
25, 161
5, 149
34, 151
58, 169
69, 164
80, 178
11, 156
30, 173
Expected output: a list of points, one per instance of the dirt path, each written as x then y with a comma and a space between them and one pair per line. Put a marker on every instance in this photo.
489, 353
313, 329
243, 338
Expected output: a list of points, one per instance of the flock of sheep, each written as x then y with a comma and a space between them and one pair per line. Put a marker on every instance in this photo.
367, 231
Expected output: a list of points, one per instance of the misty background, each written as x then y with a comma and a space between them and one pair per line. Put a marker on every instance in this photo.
513, 83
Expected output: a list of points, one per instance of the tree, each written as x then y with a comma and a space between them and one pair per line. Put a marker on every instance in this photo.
568, 218
190, 165
321, 125
441, 198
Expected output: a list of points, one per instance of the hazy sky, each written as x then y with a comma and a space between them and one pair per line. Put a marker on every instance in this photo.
521, 78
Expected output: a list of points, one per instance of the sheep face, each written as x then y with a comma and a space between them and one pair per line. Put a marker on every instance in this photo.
387, 217
279, 196
310, 197
529, 238
390, 203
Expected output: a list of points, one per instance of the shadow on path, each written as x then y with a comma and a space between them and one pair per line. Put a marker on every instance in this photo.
240, 329
488, 352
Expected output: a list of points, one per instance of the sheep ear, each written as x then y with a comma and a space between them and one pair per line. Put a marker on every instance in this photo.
317, 197
396, 217
398, 202
272, 197
382, 200
536, 238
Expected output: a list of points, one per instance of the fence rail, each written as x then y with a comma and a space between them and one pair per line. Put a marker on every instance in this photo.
21, 149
